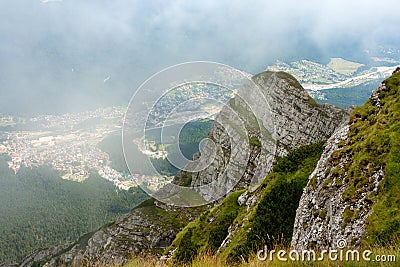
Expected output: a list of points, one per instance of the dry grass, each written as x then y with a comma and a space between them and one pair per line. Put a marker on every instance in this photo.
208, 260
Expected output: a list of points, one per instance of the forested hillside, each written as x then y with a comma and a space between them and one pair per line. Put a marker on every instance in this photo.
38, 209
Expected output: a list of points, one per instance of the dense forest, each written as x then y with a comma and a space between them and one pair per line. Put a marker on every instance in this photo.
38, 209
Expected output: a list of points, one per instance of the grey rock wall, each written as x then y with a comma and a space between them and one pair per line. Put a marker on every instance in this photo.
281, 116
324, 217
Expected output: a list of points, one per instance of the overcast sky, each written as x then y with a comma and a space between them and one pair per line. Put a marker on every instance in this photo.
73, 54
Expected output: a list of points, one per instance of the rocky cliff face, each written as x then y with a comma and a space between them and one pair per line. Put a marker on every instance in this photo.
291, 119
351, 177
320, 222
279, 117
297, 120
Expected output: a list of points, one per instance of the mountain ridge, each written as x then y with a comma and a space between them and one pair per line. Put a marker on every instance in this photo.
298, 120
349, 193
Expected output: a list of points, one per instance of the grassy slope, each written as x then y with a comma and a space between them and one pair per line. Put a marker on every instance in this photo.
208, 231
271, 220
374, 144
280, 194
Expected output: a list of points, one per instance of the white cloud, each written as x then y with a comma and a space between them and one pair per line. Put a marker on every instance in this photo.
50, 1
133, 39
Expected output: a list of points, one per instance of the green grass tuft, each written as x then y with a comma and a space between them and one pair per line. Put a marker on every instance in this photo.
374, 143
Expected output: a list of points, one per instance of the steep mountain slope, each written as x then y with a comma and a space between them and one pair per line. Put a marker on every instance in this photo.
352, 193
356, 183
293, 119
247, 220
